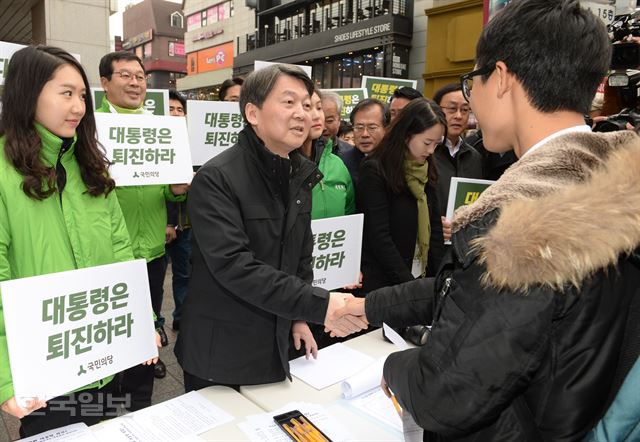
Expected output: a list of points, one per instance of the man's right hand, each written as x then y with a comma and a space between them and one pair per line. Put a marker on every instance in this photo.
337, 321
446, 228
11, 406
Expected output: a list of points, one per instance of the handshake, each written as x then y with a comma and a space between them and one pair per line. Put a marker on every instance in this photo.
345, 315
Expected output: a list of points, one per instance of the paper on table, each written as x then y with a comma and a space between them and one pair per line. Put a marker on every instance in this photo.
394, 337
334, 364
178, 419
377, 405
367, 379
262, 427
73, 432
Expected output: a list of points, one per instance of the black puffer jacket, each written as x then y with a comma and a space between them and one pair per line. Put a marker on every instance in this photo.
530, 311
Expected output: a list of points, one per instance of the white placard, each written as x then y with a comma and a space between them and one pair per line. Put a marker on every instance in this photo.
258, 64
603, 10
69, 329
337, 247
145, 149
6, 51
213, 128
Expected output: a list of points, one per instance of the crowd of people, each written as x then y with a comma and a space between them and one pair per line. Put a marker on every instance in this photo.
531, 307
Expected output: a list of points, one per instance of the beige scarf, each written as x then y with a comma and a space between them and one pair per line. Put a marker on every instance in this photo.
416, 176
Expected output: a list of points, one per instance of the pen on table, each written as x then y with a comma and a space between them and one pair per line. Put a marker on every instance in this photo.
396, 404
291, 433
315, 431
307, 431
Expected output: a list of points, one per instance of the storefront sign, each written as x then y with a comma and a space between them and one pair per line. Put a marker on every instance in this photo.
77, 327
143, 37
145, 149
369, 31
156, 101
207, 35
383, 88
213, 128
337, 245
210, 59
176, 49
350, 97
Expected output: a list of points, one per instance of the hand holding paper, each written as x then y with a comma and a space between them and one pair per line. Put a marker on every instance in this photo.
339, 323
301, 332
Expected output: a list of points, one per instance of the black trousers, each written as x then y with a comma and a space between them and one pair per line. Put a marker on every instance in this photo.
192, 383
88, 406
156, 270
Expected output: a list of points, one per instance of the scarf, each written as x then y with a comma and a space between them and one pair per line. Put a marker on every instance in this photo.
416, 176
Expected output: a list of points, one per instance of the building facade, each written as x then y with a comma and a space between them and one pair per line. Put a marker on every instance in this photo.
80, 27
154, 31
212, 42
341, 39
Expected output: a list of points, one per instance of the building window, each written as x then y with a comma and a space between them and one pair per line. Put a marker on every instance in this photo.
177, 20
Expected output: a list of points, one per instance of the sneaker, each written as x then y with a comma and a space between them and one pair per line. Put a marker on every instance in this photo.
160, 370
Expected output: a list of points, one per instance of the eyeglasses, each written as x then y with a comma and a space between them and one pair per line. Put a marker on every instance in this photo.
452, 110
371, 128
466, 80
127, 76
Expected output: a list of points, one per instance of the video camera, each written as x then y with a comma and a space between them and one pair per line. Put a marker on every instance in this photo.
625, 76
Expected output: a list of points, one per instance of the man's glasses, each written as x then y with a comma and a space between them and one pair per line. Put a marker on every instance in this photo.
127, 76
452, 110
466, 80
371, 128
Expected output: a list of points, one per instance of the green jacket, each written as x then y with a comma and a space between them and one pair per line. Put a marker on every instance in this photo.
334, 194
66, 231
143, 207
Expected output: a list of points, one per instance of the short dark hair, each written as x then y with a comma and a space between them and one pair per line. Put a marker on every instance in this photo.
259, 84
175, 95
419, 115
444, 90
344, 128
29, 70
558, 50
106, 62
406, 92
366, 103
228, 83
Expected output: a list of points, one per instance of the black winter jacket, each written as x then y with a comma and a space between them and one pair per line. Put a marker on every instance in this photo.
252, 246
530, 310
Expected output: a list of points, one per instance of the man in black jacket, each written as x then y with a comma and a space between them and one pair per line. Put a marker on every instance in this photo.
250, 215
531, 310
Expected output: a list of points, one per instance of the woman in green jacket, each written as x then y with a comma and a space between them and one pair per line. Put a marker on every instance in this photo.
57, 208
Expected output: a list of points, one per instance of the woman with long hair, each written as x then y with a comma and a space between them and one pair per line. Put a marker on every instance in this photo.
402, 236
57, 208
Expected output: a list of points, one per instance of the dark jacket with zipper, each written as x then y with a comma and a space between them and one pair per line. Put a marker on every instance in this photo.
530, 310
391, 230
252, 248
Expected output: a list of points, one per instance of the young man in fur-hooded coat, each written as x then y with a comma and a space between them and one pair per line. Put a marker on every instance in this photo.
529, 313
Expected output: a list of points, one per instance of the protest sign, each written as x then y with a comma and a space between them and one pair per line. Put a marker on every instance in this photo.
213, 128
263, 64
382, 88
69, 329
337, 246
464, 191
145, 149
156, 101
350, 97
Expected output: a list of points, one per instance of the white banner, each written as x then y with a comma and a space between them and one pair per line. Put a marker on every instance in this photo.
258, 64
213, 128
337, 246
145, 149
6, 51
66, 330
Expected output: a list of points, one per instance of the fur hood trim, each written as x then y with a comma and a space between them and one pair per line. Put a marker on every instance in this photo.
567, 235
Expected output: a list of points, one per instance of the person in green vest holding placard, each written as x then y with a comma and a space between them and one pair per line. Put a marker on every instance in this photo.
123, 79
57, 209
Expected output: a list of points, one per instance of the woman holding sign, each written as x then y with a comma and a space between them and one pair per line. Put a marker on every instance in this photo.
402, 237
57, 208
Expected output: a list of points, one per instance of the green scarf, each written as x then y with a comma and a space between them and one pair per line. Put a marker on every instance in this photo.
416, 176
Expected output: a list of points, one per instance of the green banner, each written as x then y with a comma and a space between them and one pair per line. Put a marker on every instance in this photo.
350, 97
156, 101
382, 88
